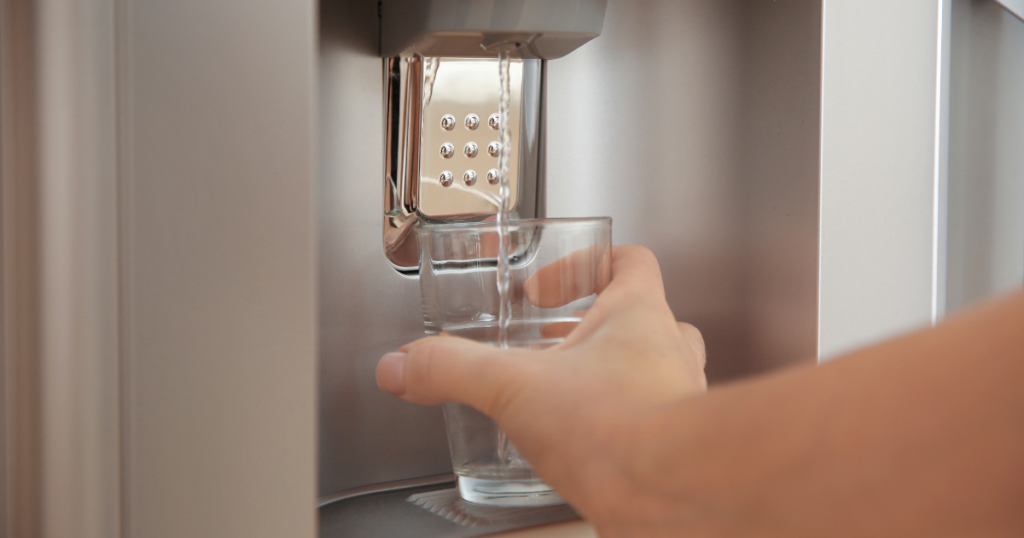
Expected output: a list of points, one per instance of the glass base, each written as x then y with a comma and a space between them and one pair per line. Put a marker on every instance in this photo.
508, 492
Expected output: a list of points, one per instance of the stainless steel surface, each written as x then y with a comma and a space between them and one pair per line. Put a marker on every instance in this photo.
365, 308
541, 28
403, 102
1016, 7
387, 514
422, 97
216, 108
447, 503
436, 480
569, 529
695, 126
883, 170
390, 514
711, 161
986, 180
460, 87
59, 267
21, 511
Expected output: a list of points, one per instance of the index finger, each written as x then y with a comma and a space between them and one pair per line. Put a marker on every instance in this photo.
576, 275
635, 270
590, 270
636, 280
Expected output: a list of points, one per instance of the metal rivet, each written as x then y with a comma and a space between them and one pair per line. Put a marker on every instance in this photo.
447, 122
493, 120
492, 176
472, 122
446, 178
447, 150
470, 149
493, 148
469, 178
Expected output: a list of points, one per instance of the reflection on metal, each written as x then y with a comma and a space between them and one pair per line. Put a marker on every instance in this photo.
423, 98
1014, 6
447, 122
386, 486
402, 107
549, 29
447, 150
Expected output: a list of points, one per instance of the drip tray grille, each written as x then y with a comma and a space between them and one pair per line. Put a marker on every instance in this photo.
447, 504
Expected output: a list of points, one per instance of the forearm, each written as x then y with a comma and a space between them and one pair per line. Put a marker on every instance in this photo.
923, 435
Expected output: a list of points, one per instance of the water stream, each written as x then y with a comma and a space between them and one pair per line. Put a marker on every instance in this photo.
505, 141
507, 453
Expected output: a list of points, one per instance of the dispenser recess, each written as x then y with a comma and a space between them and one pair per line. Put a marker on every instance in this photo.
440, 107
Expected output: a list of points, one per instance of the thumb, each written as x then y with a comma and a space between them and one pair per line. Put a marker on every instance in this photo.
443, 369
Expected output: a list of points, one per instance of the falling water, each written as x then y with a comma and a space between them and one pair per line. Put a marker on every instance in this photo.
505, 141
507, 453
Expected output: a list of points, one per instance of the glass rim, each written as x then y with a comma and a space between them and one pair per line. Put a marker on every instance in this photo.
448, 227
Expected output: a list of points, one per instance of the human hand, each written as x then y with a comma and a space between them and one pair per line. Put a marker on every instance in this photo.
573, 410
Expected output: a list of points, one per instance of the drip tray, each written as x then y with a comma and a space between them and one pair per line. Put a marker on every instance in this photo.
434, 511
447, 504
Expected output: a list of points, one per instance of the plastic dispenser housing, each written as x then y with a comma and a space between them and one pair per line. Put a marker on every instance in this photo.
441, 103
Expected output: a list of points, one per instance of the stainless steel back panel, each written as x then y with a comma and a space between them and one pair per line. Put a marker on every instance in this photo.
366, 307
693, 124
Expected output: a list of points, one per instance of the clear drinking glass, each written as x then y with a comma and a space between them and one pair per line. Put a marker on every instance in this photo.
556, 266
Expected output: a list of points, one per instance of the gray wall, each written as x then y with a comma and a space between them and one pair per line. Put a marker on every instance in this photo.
986, 177
693, 124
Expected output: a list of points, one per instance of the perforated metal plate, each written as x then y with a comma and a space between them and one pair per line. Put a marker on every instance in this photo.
461, 88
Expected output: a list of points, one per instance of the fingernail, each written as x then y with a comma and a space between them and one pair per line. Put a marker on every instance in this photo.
390, 373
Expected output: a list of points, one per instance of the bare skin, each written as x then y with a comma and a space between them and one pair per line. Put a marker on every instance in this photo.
920, 436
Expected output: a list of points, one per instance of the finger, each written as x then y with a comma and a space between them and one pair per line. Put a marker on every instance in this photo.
693, 337
561, 329
436, 370
636, 285
558, 330
636, 269
591, 270
576, 275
